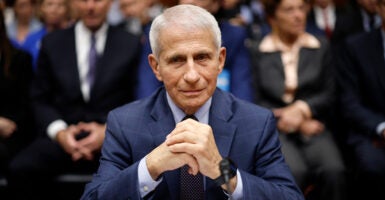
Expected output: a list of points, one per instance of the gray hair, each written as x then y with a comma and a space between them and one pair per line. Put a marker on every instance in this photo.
187, 16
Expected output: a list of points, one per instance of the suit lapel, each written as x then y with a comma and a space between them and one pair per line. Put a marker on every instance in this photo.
163, 120
162, 125
304, 61
224, 132
376, 55
69, 67
271, 66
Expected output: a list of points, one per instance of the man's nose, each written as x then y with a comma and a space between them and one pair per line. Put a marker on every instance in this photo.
191, 75
90, 3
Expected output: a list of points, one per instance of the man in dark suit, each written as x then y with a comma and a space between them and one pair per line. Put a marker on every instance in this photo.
361, 70
361, 18
235, 76
148, 147
83, 72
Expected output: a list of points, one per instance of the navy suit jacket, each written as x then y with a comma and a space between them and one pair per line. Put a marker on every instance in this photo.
56, 89
238, 64
243, 131
361, 70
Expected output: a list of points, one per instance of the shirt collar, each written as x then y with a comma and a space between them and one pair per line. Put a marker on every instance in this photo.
366, 19
270, 43
202, 114
102, 31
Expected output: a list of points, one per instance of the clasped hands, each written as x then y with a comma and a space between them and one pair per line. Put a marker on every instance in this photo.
190, 143
292, 119
83, 148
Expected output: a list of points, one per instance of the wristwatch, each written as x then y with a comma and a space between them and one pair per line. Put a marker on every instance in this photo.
232, 172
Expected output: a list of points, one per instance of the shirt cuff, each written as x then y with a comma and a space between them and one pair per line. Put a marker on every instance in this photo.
237, 194
380, 129
305, 108
54, 127
146, 183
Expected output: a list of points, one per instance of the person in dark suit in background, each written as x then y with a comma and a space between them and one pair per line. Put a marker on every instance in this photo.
361, 69
236, 73
294, 77
83, 72
324, 15
147, 148
361, 18
16, 74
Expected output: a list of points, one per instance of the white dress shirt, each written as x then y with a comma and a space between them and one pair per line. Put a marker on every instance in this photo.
83, 43
320, 19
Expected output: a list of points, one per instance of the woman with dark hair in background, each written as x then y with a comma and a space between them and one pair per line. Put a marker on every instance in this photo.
24, 22
15, 119
55, 15
294, 77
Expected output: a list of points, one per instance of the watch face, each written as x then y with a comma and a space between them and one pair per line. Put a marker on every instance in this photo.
228, 170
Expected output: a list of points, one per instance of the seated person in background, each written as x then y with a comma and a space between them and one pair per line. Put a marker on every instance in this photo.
293, 76
324, 15
137, 14
148, 152
362, 96
236, 75
236, 12
15, 117
83, 72
361, 18
23, 23
55, 15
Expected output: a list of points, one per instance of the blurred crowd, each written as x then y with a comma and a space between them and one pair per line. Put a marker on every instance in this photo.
319, 65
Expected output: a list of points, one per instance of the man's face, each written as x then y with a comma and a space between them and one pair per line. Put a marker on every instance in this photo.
133, 8
93, 13
368, 5
188, 65
290, 17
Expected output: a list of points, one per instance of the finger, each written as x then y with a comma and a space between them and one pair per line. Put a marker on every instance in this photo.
72, 143
195, 150
76, 156
73, 130
181, 126
86, 140
184, 137
192, 163
189, 125
81, 123
84, 126
277, 112
86, 153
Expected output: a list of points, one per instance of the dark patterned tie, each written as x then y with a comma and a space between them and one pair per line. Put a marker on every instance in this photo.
191, 187
92, 60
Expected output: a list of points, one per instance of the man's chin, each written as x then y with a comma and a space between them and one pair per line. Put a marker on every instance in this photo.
93, 25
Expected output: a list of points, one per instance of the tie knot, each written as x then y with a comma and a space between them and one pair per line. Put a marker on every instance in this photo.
190, 117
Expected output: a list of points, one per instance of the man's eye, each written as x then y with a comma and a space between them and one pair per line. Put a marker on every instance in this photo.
202, 57
176, 60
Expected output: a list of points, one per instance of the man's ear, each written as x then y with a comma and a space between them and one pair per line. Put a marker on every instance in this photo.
222, 59
154, 66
